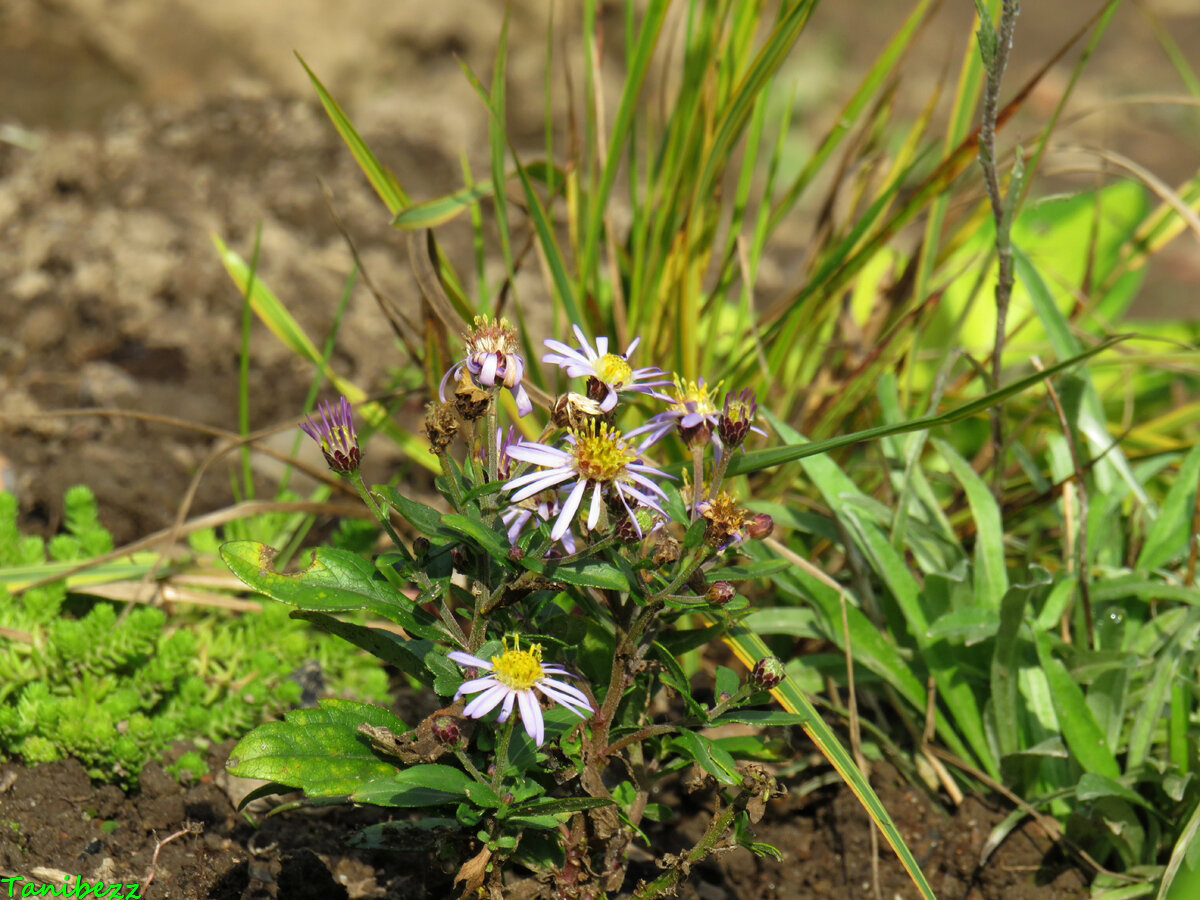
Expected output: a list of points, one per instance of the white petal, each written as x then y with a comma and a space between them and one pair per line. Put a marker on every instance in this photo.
537, 486
594, 512
538, 454
632, 346
475, 685
565, 701
524, 404
573, 693
602, 346
466, 659
531, 715
508, 706
568, 511
487, 374
609, 401
486, 702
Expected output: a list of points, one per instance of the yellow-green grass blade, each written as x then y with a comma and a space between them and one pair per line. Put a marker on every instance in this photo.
756, 460
380, 176
128, 568
281, 323
749, 648
439, 210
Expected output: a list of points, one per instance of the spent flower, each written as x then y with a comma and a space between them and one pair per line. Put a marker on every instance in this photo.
336, 436
492, 358
737, 418
513, 677
692, 410
611, 372
597, 457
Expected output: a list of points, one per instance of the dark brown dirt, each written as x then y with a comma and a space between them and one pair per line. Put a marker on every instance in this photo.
52, 820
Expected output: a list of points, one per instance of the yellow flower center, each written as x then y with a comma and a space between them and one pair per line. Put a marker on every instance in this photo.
519, 669
613, 369
600, 454
693, 397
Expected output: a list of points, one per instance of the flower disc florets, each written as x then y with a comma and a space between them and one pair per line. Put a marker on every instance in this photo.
517, 668
692, 410
608, 374
336, 435
493, 358
596, 456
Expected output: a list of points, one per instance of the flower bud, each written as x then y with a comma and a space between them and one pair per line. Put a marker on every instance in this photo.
446, 731
767, 673
720, 593
515, 553
736, 418
420, 546
759, 527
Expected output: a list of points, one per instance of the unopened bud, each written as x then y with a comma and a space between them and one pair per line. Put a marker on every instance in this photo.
446, 731
720, 593
420, 546
767, 673
515, 553
759, 527
460, 559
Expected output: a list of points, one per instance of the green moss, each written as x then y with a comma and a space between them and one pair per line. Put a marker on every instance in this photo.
113, 688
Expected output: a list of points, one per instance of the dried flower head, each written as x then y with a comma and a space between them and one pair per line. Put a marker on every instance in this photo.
336, 436
514, 676
492, 358
726, 521
441, 425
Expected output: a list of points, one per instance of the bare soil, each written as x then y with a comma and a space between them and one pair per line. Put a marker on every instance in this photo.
54, 823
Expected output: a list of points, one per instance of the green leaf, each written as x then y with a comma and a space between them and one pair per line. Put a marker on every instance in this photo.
425, 519
1171, 531
1079, 729
763, 717
493, 542
335, 581
381, 178
431, 213
711, 758
427, 784
316, 750
1092, 787
991, 577
584, 573
394, 650
554, 807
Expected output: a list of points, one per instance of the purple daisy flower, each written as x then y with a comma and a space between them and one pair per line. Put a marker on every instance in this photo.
544, 506
493, 357
596, 457
514, 676
611, 371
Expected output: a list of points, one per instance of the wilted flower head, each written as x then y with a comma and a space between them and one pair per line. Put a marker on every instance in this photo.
726, 521
611, 372
514, 675
336, 436
596, 457
493, 357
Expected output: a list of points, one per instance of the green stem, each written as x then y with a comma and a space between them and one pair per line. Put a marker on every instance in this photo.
379, 513
502, 752
469, 766
665, 882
